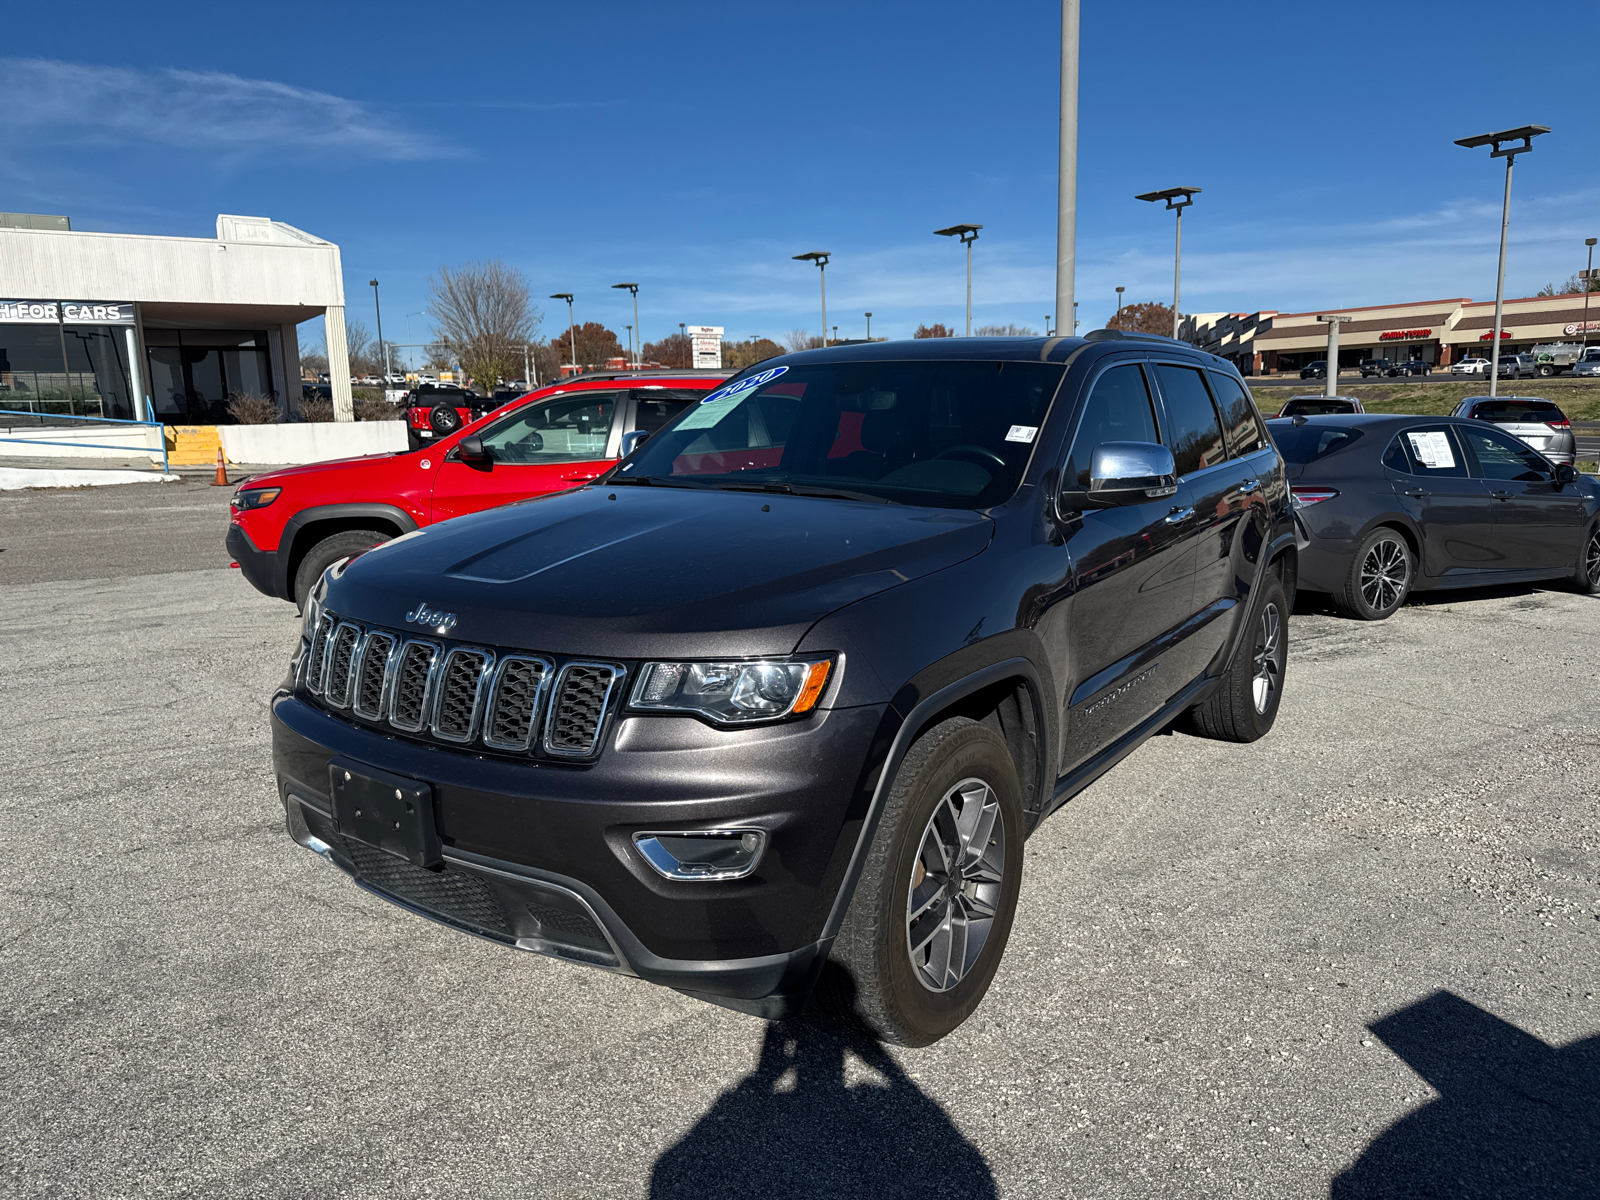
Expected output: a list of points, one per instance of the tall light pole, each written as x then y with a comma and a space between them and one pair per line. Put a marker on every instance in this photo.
1332, 373
1588, 283
1525, 134
572, 326
1047, 324
1074, 318
869, 319
634, 288
820, 257
376, 308
1067, 166
968, 234
1170, 195
1120, 290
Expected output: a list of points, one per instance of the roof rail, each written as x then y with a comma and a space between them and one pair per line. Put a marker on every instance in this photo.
1107, 335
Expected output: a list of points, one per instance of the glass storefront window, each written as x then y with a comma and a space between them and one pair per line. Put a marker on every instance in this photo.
91, 382
195, 372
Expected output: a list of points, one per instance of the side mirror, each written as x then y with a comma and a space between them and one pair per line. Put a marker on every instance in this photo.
1565, 473
472, 450
632, 440
1131, 473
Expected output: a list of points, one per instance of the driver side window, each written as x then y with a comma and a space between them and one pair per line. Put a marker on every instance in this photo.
563, 429
1502, 457
1118, 410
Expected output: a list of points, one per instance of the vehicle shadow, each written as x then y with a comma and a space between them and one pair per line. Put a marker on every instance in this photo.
1516, 1117
1321, 604
795, 1128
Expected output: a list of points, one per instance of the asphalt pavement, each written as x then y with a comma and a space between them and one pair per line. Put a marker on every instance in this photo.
1357, 957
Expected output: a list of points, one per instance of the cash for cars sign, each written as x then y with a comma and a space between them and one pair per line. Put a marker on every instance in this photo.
71, 312
706, 341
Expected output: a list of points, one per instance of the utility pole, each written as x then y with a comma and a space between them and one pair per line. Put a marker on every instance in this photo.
1332, 373
1526, 134
1067, 166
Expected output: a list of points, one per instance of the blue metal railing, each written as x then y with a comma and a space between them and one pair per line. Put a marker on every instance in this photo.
41, 418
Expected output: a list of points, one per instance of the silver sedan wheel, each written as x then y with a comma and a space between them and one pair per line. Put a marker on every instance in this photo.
955, 885
1385, 572
1268, 658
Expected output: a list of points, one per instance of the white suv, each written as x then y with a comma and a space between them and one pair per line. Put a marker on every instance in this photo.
1471, 366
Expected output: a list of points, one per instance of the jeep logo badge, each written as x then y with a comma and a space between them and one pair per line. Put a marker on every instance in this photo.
443, 622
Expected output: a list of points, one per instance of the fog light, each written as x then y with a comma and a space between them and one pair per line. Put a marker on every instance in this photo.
702, 855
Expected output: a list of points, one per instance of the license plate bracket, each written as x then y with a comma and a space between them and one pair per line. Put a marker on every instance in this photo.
391, 812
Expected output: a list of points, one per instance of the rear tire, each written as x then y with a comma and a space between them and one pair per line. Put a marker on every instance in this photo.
329, 551
1380, 577
950, 845
444, 420
1586, 574
1245, 704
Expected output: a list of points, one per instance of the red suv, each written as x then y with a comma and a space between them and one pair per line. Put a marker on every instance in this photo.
288, 526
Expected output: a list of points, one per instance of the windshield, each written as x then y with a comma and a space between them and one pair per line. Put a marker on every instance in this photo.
1300, 444
945, 434
1512, 411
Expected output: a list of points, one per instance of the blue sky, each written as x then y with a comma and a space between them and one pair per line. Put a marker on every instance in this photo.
694, 149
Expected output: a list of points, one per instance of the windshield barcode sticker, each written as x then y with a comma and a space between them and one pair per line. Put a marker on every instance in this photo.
1022, 433
1432, 449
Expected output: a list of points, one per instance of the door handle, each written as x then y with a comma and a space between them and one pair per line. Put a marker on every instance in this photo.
1249, 485
1178, 515
1416, 493
1501, 495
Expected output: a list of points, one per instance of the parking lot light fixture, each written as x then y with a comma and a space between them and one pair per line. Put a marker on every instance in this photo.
1524, 134
1588, 286
1331, 366
968, 234
820, 257
378, 310
869, 327
1174, 204
634, 288
1120, 290
572, 326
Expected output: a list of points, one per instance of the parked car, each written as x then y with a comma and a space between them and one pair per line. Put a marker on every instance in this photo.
1538, 423
1377, 366
289, 525
1388, 505
1589, 364
1518, 366
1320, 405
1470, 366
1315, 370
1415, 366
436, 410
316, 391
778, 698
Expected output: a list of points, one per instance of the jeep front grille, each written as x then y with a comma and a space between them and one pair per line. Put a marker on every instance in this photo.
463, 695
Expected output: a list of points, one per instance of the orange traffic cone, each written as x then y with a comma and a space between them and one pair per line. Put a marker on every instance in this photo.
222, 473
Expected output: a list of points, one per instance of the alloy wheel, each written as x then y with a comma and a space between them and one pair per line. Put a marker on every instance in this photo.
955, 885
1268, 658
1384, 574
1591, 558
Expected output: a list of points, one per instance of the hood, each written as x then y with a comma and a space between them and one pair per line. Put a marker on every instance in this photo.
653, 572
284, 474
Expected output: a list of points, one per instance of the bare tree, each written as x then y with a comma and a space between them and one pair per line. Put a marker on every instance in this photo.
358, 345
799, 339
1003, 331
483, 318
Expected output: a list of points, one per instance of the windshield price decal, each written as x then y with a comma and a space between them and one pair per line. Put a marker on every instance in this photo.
740, 387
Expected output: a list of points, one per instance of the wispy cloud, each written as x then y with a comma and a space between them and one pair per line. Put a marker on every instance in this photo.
206, 110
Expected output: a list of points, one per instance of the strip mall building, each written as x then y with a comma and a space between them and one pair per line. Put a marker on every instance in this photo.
1439, 332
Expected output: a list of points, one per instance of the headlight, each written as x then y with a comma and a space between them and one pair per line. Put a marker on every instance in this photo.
733, 692
245, 499
313, 614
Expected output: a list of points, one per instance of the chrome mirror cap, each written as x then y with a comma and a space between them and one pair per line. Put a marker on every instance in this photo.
1144, 468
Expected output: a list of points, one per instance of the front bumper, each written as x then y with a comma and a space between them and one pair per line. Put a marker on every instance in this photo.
540, 856
258, 566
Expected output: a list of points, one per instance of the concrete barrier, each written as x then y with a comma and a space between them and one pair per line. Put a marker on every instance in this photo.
310, 441
137, 440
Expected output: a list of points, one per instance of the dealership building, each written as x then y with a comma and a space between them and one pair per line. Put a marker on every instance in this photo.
1437, 332
134, 326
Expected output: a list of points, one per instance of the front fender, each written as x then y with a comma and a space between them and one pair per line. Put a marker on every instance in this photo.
287, 556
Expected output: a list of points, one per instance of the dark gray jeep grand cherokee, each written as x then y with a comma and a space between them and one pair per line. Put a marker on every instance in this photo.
779, 698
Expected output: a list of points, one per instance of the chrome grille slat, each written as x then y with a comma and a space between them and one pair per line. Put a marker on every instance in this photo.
412, 690
578, 708
317, 659
513, 710
372, 674
463, 680
341, 654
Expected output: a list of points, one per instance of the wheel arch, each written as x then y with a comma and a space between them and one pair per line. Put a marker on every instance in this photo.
309, 526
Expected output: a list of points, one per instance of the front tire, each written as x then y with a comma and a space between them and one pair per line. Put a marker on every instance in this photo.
1245, 704
933, 909
329, 551
1586, 574
1379, 579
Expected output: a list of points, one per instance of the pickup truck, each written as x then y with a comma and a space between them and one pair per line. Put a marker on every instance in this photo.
1555, 358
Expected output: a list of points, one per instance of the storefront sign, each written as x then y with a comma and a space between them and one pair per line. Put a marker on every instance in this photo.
1583, 327
72, 312
1489, 337
1404, 335
707, 343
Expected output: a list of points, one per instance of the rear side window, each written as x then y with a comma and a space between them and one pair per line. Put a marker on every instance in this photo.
1239, 416
1301, 444
654, 408
1118, 411
1193, 434
1432, 450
